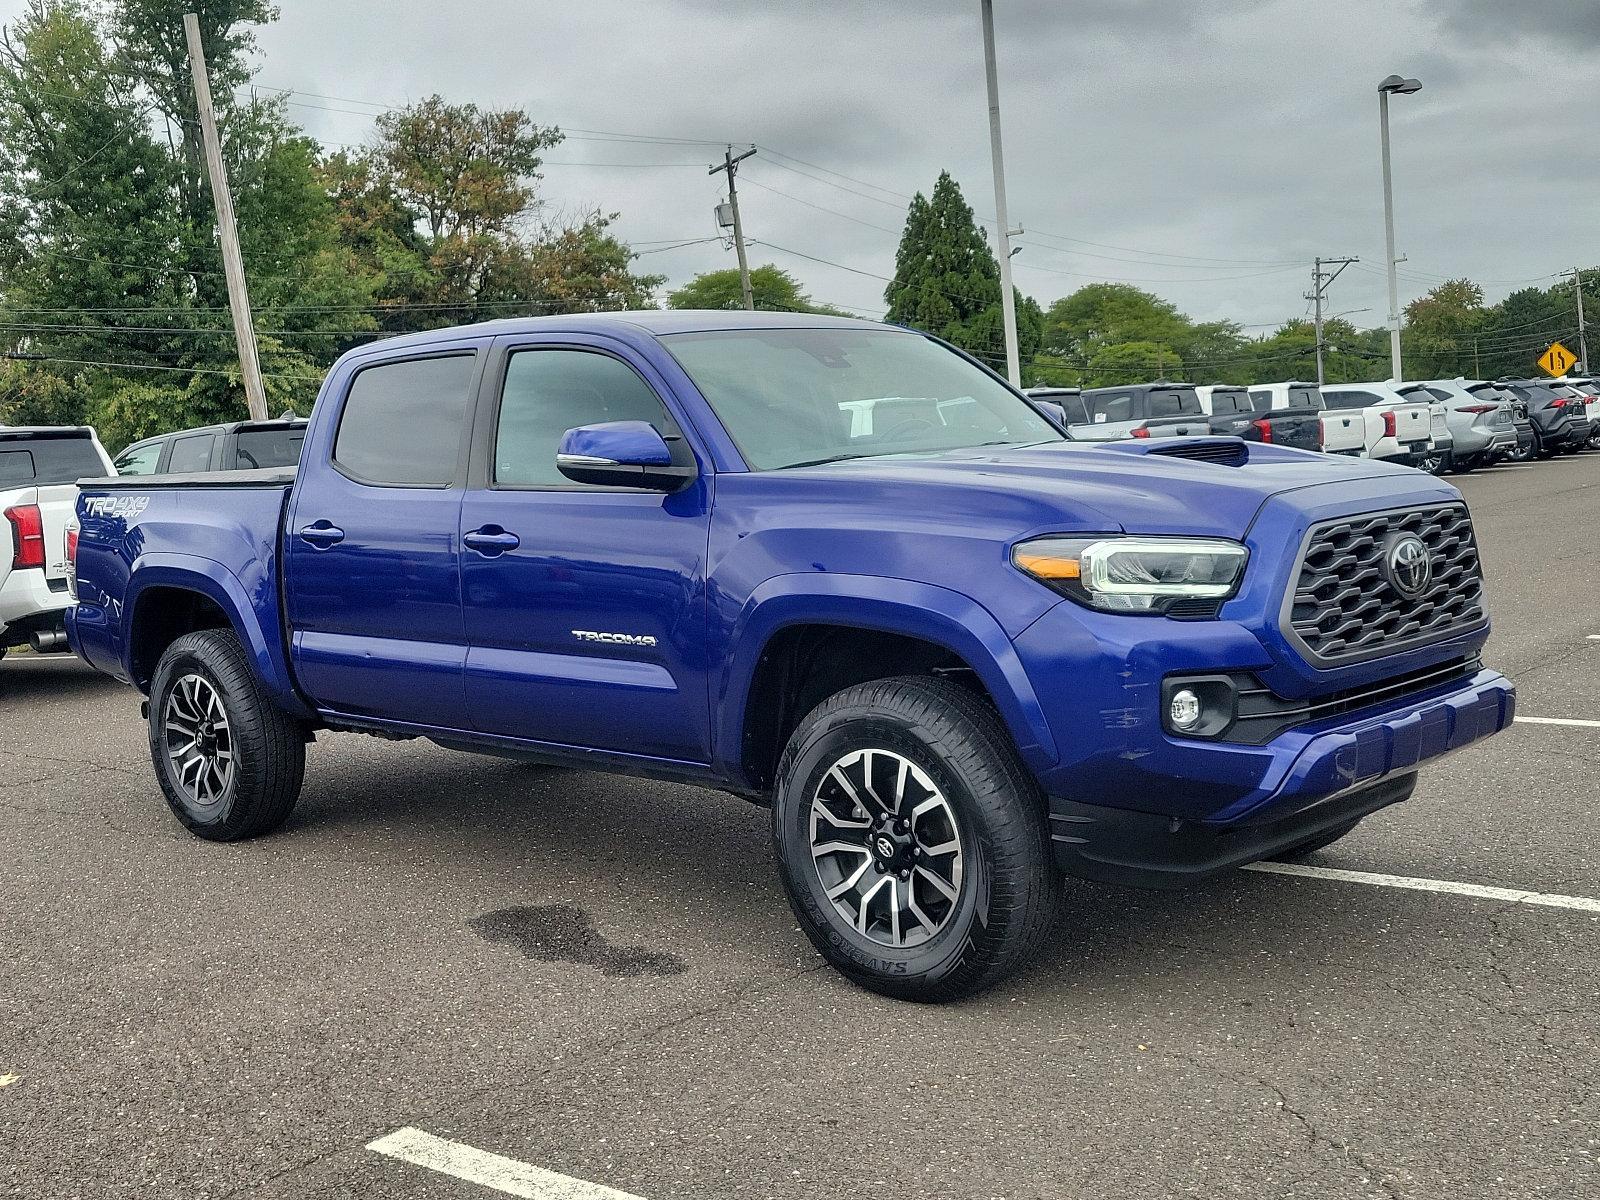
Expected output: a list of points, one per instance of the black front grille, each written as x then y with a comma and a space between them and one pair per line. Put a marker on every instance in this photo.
1346, 606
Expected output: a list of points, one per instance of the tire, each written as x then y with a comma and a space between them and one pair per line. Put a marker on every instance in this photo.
1540, 449
252, 762
1521, 454
1311, 845
1467, 464
962, 785
1434, 462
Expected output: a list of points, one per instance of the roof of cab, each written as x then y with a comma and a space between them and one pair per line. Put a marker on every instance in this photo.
654, 321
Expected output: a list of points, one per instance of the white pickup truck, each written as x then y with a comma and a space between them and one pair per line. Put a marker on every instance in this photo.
1394, 429
39, 470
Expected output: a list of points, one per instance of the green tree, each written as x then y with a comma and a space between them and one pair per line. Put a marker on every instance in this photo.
578, 267
1515, 332
771, 288
1439, 329
109, 271
947, 281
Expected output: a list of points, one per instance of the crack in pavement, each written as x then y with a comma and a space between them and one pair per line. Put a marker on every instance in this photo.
1355, 1157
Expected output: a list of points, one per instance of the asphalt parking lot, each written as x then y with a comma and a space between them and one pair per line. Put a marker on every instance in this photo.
600, 978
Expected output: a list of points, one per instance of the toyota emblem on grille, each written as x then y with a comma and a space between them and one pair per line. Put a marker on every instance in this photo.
1410, 566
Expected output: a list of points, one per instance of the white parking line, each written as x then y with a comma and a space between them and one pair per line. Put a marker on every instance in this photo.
1558, 721
506, 1175
1475, 890
1594, 637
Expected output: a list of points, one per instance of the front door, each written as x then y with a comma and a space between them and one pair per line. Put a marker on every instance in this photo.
371, 545
584, 605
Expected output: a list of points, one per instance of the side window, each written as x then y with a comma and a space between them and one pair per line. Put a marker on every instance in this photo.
140, 460
191, 454
1111, 409
402, 421
1261, 401
1350, 399
548, 392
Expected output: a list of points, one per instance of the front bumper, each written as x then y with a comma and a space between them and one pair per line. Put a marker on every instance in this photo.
1322, 775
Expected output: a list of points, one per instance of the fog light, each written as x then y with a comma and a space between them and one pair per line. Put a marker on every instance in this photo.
1184, 709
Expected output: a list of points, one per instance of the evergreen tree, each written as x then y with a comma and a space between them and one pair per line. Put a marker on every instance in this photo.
947, 282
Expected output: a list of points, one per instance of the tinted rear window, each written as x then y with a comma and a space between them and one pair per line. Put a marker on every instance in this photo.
1305, 398
402, 423
1174, 404
1349, 399
261, 448
1231, 402
48, 460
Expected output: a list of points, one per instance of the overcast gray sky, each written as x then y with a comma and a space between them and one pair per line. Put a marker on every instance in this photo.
1204, 149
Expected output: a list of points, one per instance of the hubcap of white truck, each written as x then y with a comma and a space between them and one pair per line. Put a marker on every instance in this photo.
886, 846
199, 739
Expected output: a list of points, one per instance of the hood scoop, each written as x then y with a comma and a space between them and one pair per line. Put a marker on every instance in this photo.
1224, 451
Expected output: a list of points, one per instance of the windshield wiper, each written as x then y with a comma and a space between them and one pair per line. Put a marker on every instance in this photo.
817, 462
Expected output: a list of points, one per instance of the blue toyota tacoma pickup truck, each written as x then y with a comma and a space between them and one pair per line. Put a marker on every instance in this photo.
835, 567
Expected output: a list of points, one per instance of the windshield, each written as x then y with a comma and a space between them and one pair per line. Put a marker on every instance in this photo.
794, 397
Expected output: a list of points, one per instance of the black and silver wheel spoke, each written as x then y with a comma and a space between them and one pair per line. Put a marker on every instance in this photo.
199, 739
886, 846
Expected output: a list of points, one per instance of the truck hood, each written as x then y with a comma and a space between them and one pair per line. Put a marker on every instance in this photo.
1131, 487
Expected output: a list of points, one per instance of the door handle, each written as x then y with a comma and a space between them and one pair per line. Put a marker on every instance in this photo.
322, 534
491, 541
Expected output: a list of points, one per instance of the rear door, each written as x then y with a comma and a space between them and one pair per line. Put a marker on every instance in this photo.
584, 605
371, 543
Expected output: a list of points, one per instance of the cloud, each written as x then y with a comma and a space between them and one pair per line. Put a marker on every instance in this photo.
1205, 150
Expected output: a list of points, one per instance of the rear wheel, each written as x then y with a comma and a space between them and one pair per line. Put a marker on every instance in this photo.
230, 762
1466, 464
912, 841
1541, 448
1434, 462
1521, 454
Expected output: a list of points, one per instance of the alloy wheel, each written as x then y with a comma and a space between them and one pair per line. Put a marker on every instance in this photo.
199, 740
887, 847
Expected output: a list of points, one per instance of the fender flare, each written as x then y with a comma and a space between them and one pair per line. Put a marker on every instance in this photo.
192, 573
921, 610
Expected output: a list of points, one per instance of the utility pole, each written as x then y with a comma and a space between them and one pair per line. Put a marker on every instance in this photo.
1583, 340
730, 164
244, 330
1320, 280
1008, 303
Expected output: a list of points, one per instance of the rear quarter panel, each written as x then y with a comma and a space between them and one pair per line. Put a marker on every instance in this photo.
218, 536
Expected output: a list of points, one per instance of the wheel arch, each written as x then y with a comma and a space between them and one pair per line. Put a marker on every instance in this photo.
169, 595
877, 622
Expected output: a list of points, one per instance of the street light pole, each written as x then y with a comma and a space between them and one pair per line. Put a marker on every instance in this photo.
1394, 83
1008, 304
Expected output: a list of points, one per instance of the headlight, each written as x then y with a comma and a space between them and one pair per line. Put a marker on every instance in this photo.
1134, 574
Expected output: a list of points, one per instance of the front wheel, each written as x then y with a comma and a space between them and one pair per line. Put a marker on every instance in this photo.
230, 762
912, 841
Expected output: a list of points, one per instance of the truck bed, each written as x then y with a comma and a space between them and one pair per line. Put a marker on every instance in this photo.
221, 528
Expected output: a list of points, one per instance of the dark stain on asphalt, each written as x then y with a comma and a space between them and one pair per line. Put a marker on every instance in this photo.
564, 933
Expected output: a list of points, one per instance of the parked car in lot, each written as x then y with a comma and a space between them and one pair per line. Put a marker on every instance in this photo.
235, 446
954, 657
1560, 423
39, 471
1590, 390
1582, 406
1339, 432
1141, 410
1480, 424
1394, 429
1233, 411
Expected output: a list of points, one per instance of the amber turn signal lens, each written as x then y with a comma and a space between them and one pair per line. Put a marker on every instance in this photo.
1046, 566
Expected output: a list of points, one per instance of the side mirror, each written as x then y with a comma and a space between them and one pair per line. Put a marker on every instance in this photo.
1053, 412
621, 454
